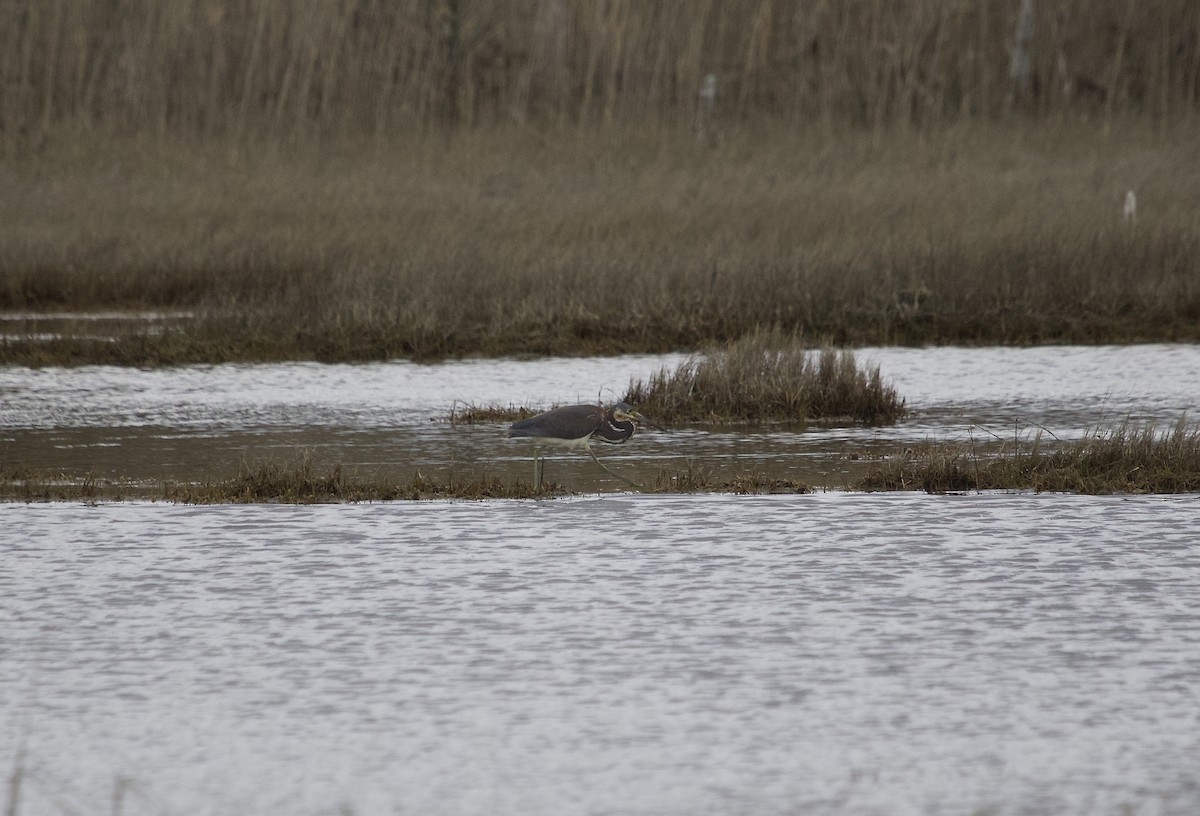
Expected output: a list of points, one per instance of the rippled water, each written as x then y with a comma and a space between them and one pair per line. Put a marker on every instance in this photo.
830, 653
201, 421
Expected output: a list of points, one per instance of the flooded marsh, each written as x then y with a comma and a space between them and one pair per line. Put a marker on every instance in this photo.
607, 653
389, 420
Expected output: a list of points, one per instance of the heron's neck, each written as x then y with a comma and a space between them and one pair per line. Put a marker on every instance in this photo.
614, 432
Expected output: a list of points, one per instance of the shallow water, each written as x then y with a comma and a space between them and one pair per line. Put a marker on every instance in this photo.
199, 422
831, 653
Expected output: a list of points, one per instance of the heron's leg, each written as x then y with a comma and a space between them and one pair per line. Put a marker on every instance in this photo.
538, 468
629, 482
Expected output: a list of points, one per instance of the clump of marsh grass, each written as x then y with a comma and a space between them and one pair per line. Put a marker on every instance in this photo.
1122, 459
768, 376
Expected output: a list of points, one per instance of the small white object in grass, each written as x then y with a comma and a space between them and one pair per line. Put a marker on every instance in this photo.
1130, 208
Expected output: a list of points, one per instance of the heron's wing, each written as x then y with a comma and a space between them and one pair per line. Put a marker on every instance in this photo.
567, 422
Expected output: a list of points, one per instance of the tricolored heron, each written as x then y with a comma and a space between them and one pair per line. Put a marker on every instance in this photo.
575, 426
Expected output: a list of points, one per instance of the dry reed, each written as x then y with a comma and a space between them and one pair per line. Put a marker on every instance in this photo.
285, 70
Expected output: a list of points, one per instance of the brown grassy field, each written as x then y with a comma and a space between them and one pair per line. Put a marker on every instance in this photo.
446, 177
499, 244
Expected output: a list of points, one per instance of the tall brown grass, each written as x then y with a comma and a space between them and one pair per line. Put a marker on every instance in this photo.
288, 68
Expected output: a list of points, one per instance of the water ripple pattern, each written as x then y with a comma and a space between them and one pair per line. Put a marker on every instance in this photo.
830, 653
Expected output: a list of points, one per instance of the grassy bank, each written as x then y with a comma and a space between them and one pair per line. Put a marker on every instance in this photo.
508, 243
1123, 459
301, 481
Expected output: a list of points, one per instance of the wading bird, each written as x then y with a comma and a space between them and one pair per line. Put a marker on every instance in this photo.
575, 426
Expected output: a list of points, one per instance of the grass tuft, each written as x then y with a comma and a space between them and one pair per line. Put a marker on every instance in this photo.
1124, 459
768, 376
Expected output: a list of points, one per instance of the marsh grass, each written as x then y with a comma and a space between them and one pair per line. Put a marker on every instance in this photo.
473, 414
697, 478
1122, 459
617, 241
353, 180
296, 481
23, 483
768, 376
300, 481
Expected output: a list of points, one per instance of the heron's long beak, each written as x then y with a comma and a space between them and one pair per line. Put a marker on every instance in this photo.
645, 421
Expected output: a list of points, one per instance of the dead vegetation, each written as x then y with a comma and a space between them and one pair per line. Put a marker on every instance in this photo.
357, 180
302, 481
1122, 459
495, 246
768, 376
255, 69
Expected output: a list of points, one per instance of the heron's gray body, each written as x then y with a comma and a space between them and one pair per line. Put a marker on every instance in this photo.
576, 426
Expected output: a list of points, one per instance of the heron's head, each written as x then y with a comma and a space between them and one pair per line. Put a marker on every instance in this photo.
623, 412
